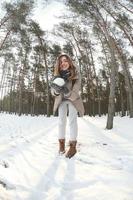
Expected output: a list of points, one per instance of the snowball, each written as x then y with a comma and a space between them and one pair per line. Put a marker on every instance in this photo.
59, 81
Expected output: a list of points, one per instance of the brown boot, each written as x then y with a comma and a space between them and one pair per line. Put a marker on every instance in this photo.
61, 146
72, 149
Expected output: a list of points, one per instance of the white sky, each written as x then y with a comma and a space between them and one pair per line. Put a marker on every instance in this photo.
48, 14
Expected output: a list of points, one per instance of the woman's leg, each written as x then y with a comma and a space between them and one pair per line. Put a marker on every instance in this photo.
62, 119
73, 122
73, 131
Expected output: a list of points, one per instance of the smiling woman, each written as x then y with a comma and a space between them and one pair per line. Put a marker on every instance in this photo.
67, 102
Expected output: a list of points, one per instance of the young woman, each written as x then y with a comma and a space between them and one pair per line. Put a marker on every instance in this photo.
68, 101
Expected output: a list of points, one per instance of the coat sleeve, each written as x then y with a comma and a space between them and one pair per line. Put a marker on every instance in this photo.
74, 94
53, 90
54, 93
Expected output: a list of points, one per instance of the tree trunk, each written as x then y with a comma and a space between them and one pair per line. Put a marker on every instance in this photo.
123, 113
111, 106
127, 76
97, 85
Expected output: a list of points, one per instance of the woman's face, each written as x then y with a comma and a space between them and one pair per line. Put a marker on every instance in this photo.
64, 64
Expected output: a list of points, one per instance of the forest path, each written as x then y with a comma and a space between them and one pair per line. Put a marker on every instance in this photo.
100, 170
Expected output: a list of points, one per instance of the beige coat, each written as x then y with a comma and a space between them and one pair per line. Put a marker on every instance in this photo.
74, 97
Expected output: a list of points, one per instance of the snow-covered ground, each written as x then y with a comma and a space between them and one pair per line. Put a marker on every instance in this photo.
31, 169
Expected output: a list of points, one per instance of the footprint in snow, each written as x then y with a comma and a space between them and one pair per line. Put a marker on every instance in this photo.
4, 163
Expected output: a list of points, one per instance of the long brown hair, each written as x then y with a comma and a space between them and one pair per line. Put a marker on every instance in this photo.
71, 67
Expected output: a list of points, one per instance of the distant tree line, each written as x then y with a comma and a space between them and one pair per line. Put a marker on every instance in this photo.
97, 34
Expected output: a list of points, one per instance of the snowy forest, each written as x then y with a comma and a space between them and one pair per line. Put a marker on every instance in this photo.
97, 163
96, 34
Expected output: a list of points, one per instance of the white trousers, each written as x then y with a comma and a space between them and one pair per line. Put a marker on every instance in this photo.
64, 108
